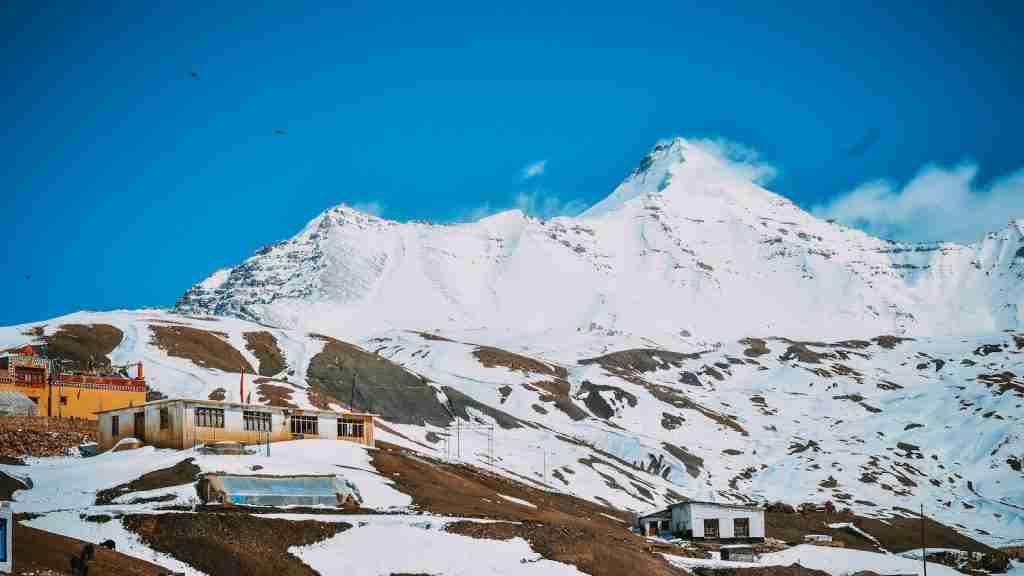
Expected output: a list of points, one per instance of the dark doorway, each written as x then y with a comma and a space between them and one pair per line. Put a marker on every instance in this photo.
140, 426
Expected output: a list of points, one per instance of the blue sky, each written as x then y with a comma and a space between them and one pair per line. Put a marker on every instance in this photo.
128, 180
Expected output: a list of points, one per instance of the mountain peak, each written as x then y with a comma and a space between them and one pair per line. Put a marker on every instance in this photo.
681, 168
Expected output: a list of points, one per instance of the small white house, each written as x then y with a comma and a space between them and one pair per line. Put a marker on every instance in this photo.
719, 522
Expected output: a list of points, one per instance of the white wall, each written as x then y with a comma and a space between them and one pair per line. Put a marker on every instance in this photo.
233, 419
725, 515
328, 426
680, 518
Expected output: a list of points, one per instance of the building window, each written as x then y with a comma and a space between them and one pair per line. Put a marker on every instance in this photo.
305, 425
741, 527
711, 528
210, 417
64, 400
256, 421
165, 418
350, 428
115, 426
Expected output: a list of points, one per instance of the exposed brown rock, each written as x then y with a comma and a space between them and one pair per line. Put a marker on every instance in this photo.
492, 357
41, 436
755, 347
200, 347
183, 472
561, 527
641, 360
374, 383
274, 394
232, 543
87, 347
264, 346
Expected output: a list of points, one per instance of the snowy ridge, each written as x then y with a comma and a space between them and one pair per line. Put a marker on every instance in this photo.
687, 245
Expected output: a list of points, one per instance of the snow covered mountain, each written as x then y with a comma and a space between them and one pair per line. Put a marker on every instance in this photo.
691, 335
687, 249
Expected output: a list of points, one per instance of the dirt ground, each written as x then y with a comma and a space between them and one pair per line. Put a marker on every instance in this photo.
201, 347
897, 534
84, 346
263, 345
495, 357
183, 472
41, 553
767, 571
232, 543
9, 485
561, 528
41, 436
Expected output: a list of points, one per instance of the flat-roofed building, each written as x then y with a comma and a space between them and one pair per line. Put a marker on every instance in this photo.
179, 424
719, 522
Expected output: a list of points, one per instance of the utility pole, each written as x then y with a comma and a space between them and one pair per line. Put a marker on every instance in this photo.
924, 549
352, 395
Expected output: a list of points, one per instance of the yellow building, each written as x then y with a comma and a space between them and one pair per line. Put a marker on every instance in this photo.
68, 395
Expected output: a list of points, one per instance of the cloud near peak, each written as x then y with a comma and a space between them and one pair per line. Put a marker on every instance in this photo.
939, 203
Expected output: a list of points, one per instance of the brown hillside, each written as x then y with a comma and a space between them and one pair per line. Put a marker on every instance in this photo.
199, 346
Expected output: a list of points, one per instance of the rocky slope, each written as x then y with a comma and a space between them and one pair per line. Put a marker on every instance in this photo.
880, 425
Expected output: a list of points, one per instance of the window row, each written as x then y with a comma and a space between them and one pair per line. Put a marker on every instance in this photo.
740, 528
209, 417
255, 421
350, 428
305, 425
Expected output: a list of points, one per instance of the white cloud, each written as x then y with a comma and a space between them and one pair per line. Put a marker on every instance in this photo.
480, 212
375, 208
535, 169
742, 160
544, 206
536, 203
938, 204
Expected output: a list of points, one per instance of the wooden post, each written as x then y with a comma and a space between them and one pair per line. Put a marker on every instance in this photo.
924, 549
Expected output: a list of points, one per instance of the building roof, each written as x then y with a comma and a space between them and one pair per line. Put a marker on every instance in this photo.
752, 507
663, 513
218, 404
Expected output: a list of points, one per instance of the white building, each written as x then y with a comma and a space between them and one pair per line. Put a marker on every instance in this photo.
720, 522
180, 424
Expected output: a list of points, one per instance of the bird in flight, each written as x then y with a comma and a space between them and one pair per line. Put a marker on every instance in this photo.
28, 276
194, 74
279, 131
